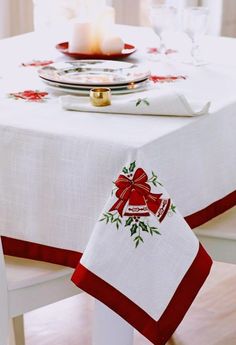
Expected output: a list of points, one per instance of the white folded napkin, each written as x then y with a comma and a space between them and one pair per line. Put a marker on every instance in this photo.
155, 102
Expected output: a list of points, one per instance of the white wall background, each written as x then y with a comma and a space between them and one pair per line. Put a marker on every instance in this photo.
16, 16
222, 19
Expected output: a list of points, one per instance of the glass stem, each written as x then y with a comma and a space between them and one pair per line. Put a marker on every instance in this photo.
162, 47
195, 49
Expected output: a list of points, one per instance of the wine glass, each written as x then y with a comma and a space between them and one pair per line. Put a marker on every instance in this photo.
195, 24
163, 18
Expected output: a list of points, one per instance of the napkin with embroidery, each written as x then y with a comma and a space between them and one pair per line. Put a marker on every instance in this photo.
155, 102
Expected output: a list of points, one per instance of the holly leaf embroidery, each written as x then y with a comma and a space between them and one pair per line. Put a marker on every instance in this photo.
133, 229
136, 224
132, 166
129, 221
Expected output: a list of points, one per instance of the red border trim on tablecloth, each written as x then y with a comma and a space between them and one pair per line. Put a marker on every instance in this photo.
70, 258
158, 332
34, 251
215, 209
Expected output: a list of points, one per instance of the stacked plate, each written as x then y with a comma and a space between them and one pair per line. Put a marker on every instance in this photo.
80, 76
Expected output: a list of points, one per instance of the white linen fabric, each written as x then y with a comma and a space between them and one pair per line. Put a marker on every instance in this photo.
172, 249
154, 102
57, 169
57, 166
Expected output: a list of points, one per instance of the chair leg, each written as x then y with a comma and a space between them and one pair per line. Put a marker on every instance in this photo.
18, 326
12, 338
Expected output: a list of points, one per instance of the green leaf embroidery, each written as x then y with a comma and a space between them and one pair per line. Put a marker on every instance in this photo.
117, 221
129, 221
132, 166
156, 232
135, 224
173, 208
137, 240
142, 100
153, 229
146, 101
133, 229
108, 217
143, 226
154, 180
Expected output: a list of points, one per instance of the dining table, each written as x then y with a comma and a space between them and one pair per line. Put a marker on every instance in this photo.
64, 173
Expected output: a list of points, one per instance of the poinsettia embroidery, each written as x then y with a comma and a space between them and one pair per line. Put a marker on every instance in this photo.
29, 95
169, 78
136, 203
37, 63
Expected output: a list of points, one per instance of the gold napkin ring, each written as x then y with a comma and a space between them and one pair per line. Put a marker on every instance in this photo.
100, 96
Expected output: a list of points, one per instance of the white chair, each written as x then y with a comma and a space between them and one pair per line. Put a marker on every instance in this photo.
26, 285
219, 237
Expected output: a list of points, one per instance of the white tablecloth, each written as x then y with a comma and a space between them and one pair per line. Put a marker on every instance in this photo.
57, 169
56, 166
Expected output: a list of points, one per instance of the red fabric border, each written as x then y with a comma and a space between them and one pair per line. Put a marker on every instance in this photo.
70, 258
34, 251
215, 209
158, 332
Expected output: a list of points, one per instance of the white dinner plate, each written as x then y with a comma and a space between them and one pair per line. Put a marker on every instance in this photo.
94, 73
124, 90
132, 85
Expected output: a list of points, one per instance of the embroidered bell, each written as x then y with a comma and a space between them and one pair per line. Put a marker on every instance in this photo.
136, 205
159, 208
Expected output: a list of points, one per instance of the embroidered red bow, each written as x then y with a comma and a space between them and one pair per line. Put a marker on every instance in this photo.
139, 190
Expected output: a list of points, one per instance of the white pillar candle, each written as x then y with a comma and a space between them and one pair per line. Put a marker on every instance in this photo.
103, 25
81, 37
112, 45
108, 15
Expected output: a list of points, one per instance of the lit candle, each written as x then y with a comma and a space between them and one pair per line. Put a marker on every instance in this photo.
81, 37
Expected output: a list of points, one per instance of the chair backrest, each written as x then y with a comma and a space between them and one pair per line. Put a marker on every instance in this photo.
4, 310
